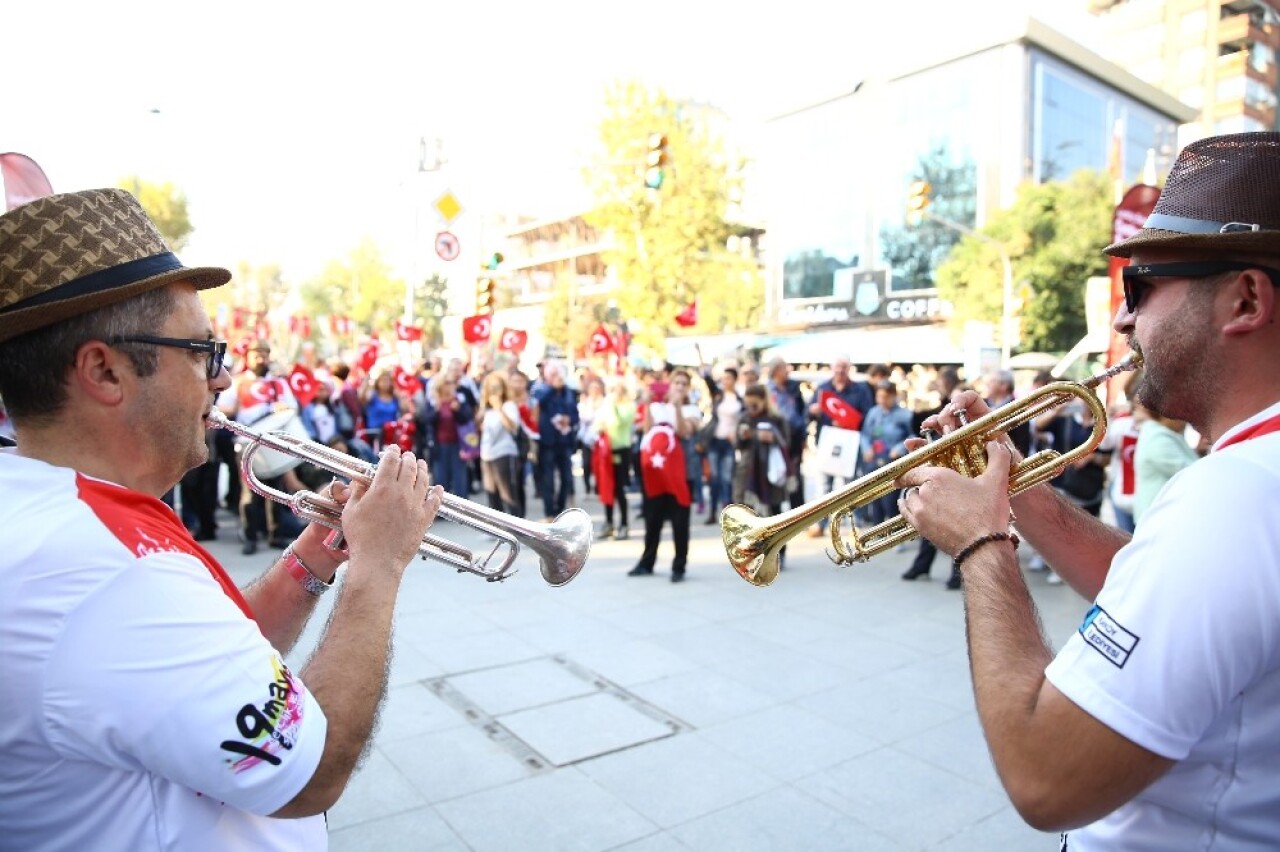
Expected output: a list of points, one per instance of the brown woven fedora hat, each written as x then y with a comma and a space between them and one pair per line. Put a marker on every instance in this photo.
65, 255
1223, 194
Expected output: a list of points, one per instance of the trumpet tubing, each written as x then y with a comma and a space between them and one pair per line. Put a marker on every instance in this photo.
753, 543
562, 546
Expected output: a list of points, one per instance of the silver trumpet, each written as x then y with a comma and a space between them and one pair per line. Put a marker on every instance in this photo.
562, 546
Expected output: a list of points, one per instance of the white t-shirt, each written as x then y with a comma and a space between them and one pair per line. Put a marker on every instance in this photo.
1121, 440
141, 707
495, 441
1181, 655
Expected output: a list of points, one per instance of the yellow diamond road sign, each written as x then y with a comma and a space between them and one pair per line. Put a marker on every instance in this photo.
448, 206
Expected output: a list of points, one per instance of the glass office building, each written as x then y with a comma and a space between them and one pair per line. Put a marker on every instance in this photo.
1030, 106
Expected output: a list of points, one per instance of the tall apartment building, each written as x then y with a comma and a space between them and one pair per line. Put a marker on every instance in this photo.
1218, 56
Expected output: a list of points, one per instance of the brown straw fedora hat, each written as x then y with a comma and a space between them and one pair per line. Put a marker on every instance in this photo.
65, 255
1223, 194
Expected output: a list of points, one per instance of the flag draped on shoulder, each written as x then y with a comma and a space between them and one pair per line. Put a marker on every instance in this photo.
842, 414
662, 464
602, 467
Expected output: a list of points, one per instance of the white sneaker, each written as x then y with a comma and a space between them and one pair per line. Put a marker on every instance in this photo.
1053, 579
1036, 563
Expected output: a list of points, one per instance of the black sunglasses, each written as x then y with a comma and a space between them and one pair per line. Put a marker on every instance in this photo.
216, 350
1136, 285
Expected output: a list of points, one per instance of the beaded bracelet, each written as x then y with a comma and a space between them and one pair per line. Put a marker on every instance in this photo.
986, 539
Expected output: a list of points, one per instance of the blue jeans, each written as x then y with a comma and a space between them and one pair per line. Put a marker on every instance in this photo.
720, 454
448, 469
555, 460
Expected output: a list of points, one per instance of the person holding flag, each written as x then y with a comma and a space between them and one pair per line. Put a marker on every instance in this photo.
665, 451
841, 399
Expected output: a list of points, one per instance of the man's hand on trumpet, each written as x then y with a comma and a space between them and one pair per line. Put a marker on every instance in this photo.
384, 523
953, 510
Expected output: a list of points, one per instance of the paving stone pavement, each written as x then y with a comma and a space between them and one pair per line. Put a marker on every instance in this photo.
831, 710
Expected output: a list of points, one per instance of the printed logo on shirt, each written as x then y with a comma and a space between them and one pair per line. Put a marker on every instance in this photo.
271, 728
1105, 635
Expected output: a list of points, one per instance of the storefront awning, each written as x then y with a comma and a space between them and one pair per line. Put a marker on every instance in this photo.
683, 351
915, 344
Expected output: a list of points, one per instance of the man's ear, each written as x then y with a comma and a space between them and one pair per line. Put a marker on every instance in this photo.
98, 372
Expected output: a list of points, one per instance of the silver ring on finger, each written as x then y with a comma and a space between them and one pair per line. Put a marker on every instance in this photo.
906, 495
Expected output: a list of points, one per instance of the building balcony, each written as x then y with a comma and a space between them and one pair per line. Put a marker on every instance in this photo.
1237, 32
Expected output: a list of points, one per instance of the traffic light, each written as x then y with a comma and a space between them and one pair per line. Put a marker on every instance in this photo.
485, 293
656, 160
494, 261
917, 201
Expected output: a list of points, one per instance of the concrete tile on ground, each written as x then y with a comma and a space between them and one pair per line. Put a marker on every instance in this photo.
443, 765
529, 609
943, 678
956, 743
782, 673
789, 742
411, 710
378, 789
409, 664
532, 683
856, 652
1003, 830
913, 802
565, 636
884, 714
419, 829
781, 820
581, 728
631, 662
715, 643
560, 811
678, 779
480, 651
655, 617
659, 841
703, 697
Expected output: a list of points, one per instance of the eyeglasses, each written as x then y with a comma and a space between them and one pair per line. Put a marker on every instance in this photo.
1136, 285
216, 350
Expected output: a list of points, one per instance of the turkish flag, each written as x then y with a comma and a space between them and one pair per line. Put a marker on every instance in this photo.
1128, 472
367, 354
842, 414
600, 341
513, 340
662, 464
477, 329
404, 331
303, 384
241, 349
602, 467
406, 381
689, 316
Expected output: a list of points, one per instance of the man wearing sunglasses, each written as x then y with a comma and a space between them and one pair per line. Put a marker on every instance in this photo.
1156, 725
145, 700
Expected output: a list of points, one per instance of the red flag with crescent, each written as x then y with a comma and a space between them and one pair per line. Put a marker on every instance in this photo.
404, 331
689, 316
842, 414
600, 340
241, 349
367, 354
477, 329
23, 180
513, 340
303, 384
406, 381
662, 464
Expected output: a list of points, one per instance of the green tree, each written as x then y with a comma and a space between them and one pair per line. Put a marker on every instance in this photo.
360, 286
167, 207
1054, 234
914, 252
430, 306
671, 245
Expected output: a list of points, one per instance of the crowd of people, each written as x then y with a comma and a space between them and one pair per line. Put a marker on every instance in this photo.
147, 702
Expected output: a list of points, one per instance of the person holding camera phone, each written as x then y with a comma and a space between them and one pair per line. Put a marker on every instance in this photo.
765, 464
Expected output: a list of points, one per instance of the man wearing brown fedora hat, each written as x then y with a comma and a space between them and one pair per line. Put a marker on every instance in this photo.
146, 703
1156, 726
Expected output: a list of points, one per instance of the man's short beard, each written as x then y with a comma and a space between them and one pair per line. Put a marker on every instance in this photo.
260, 370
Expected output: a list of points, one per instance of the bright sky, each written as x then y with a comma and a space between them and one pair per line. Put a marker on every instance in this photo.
293, 127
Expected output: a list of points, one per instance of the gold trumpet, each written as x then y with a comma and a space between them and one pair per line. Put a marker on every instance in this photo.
753, 543
562, 546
